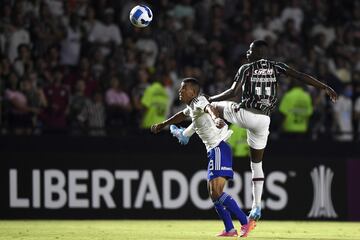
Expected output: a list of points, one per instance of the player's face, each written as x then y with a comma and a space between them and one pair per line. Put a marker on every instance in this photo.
249, 52
185, 93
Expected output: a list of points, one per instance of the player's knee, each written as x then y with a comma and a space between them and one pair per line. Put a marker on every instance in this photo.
215, 194
255, 160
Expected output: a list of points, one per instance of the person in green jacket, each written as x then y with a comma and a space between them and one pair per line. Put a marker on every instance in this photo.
238, 141
297, 108
156, 102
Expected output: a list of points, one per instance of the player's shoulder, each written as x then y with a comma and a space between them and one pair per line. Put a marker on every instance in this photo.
199, 101
200, 98
243, 68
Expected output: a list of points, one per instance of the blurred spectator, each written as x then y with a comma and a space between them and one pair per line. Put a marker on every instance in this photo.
24, 61
297, 108
220, 82
71, 43
138, 91
17, 35
147, 47
94, 116
90, 21
57, 96
53, 55
78, 103
183, 9
106, 35
19, 112
56, 7
118, 104
357, 116
45, 31
36, 100
343, 114
156, 103
326, 30
238, 141
295, 13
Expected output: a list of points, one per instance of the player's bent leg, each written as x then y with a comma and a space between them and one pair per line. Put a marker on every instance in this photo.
215, 188
228, 202
219, 170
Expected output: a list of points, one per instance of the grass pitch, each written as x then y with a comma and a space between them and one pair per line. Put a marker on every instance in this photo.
169, 229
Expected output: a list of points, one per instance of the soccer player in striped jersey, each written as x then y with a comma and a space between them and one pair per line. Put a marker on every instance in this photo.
256, 84
214, 132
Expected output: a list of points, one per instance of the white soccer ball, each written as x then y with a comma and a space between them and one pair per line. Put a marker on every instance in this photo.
141, 16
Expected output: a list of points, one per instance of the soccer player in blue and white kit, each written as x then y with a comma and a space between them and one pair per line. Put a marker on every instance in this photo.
213, 131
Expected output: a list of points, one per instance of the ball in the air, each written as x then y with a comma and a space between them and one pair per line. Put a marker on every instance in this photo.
141, 16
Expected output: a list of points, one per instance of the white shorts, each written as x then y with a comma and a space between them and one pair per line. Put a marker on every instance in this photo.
256, 124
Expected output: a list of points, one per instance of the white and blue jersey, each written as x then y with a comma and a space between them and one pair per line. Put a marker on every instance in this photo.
219, 152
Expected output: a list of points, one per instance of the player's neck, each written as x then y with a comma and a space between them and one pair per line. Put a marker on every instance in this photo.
192, 100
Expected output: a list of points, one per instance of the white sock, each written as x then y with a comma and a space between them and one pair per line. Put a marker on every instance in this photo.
257, 185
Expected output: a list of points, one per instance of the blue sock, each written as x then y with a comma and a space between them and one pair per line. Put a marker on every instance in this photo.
224, 215
230, 204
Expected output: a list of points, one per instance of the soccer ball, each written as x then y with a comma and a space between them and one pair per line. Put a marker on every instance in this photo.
141, 16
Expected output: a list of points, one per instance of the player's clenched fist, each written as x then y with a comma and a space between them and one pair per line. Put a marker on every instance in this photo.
219, 122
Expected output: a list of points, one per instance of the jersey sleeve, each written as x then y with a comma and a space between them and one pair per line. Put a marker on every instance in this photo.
186, 111
241, 73
280, 68
201, 103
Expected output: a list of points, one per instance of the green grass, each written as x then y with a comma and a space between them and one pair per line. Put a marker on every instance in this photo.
168, 229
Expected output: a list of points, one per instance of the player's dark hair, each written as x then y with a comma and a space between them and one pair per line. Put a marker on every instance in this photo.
260, 49
260, 43
193, 82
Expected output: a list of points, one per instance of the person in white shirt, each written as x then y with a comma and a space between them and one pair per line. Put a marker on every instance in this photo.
17, 35
107, 34
213, 132
71, 42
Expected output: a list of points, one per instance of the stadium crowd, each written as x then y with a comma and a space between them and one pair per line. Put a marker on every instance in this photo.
79, 67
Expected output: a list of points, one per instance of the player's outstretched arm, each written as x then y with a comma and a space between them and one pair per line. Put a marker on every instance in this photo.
312, 81
177, 118
189, 131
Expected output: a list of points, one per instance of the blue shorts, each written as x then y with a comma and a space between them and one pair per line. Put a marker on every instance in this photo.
220, 162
